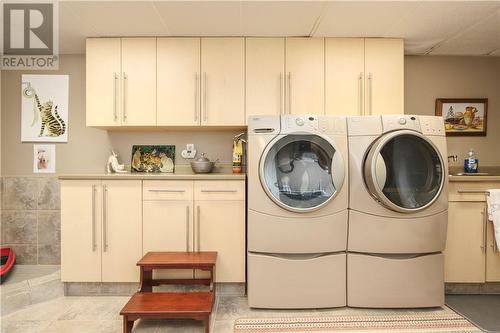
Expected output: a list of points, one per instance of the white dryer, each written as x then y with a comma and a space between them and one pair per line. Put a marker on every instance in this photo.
397, 211
297, 211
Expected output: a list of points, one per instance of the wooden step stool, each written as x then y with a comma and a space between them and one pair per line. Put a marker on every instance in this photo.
165, 305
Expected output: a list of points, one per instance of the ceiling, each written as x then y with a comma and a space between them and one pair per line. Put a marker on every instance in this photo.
428, 27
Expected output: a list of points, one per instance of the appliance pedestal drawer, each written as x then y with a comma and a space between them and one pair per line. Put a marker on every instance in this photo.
296, 281
395, 281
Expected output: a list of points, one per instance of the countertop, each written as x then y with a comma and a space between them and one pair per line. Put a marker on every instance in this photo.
492, 175
182, 172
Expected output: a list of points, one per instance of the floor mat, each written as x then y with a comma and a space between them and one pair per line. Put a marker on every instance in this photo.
417, 322
482, 310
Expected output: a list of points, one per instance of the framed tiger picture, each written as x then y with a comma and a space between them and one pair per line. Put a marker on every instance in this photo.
44, 108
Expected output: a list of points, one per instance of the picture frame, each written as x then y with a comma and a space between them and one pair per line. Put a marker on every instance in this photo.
153, 158
463, 116
44, 108
44, 158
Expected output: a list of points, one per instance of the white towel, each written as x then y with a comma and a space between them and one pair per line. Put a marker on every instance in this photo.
493, 201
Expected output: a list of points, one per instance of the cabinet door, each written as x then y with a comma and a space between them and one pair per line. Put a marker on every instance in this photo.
344, 76
384, 76
80, 231
223, 81
492, 255
121, 230
139, 81
305, 82
464, 253
168, 226
220, 226
265, 66
178, 81
103, 67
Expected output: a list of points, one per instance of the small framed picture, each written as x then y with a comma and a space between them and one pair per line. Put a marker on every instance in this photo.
463, 116
44, 158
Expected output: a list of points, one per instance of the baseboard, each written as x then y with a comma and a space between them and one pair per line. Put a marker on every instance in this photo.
492, 288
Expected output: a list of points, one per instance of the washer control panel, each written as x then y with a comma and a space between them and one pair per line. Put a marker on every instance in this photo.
395, 122
300, 123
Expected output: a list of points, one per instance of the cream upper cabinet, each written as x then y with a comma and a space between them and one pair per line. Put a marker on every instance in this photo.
178, 82
305, 76
384, 76
344, 76
81, 231
121, 230
138, 81
103, 70
265, 76
464, 253
492, 255
223, 81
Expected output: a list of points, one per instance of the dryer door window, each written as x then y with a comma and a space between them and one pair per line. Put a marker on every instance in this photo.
404, 171
301, 172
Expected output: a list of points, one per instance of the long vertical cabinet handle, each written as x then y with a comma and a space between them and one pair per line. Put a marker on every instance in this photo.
289, 93
105, 218
115, 97
198, 237
485, 227
124, 97
187, 228
196, 91
205, 113
361, 99
94, 245
370, 84
281, 93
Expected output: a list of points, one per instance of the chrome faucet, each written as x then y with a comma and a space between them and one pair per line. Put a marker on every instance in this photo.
454, 158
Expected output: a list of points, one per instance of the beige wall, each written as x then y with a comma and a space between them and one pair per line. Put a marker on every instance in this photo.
431, 77
87, 148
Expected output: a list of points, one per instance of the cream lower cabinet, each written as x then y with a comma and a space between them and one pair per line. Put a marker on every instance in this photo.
464, 253
220, 226
81, 230
471, 255
492, 255
101, 230
167, 211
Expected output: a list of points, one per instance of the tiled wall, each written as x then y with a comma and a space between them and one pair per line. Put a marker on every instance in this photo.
31, 219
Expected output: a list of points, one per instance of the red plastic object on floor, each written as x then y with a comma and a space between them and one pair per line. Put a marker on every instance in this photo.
8, 257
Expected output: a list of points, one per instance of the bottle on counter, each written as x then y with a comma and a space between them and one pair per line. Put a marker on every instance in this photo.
471, 163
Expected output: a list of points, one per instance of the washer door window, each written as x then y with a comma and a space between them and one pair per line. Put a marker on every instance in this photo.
301, 172
404, 171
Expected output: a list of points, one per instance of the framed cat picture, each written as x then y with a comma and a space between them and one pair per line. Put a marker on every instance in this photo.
44, 108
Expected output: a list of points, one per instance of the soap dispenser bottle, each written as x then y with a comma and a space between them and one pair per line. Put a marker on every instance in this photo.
471, 162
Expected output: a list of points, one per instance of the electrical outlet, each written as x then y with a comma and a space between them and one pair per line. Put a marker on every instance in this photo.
189, 152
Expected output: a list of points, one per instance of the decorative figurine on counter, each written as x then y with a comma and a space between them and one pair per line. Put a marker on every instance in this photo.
113, 166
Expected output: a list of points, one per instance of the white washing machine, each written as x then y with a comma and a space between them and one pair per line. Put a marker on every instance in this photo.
397, 211
297, 211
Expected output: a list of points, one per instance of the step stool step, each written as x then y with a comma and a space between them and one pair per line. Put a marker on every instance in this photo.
159, 303
178, 259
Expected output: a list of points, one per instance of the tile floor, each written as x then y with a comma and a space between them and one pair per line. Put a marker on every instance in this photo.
100, 314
